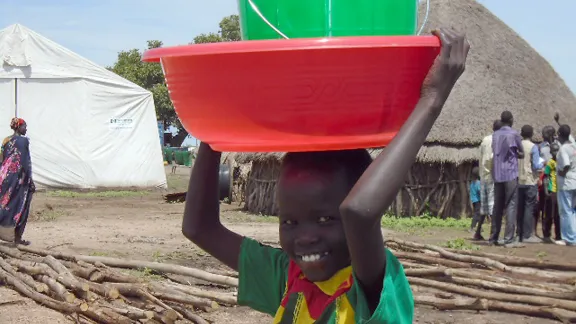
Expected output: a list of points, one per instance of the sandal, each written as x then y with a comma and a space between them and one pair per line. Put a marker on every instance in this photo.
23, 242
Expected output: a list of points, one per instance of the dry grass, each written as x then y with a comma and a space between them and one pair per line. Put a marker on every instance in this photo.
48, 213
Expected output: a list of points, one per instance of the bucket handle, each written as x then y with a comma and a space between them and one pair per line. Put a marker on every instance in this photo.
425, 18
257, 11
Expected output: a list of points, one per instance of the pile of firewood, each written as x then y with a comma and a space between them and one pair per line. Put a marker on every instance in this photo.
92, 290
450, 279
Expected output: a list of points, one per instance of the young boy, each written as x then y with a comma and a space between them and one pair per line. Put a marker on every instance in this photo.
333, 266
551, 214
475, 199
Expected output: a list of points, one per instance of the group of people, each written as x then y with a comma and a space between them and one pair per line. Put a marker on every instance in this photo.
525, 182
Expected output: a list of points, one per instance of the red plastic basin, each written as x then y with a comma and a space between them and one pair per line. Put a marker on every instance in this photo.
298, 94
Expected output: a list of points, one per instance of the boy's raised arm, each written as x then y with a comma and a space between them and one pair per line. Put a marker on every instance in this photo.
374, 192
201, 223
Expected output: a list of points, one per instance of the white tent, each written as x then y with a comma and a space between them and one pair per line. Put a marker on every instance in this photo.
88, 127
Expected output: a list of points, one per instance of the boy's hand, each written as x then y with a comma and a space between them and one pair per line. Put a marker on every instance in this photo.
447, 68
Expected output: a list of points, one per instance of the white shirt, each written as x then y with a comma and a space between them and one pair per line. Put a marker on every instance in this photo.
567, 157
486, 158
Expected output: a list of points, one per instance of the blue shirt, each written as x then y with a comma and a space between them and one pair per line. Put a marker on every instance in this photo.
536, 163
506, 143
475, 191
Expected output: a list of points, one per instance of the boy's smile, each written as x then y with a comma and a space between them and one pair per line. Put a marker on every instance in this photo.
311, 230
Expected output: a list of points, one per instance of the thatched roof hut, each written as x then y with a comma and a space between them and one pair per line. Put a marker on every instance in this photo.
503, 73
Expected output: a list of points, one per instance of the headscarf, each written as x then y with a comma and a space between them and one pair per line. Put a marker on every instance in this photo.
16, 122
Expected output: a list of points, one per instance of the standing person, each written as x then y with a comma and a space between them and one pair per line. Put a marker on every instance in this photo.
548, 136
557, 120
551, 215
506, 150
529, 169
566, 182
475, 199
486, 181
333, 265
173, 162
16, 184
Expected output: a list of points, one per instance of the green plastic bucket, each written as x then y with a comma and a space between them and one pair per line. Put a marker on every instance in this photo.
274, 19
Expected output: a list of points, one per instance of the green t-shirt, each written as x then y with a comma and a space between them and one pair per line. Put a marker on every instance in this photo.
270, 283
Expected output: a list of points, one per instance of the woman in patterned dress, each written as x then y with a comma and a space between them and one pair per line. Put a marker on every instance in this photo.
16, 185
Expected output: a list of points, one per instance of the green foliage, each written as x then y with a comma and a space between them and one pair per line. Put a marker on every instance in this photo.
230, 28
207, 38
422, 222
149, 76
229, 32
461, 244
96, 194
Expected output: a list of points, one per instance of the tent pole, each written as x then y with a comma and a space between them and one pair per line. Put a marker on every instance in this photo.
16, 97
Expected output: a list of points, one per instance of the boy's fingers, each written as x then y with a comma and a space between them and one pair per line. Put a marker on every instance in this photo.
446, 43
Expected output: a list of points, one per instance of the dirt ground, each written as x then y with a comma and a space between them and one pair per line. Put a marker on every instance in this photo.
140, 225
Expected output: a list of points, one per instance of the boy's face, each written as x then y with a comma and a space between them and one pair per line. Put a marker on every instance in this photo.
311, 230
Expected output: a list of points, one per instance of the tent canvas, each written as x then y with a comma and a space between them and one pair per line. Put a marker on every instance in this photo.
88, 127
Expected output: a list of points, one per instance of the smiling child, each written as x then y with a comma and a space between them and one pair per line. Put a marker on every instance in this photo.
333, 266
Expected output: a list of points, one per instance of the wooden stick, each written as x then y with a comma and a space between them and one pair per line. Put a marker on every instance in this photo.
112, 275
102, 290
430, 260
190, 315
476, 304
10, 252
135, 290
175, 296
106, 316
90, 272
65, 277
162, 267
57, 290
223, 298
41, 252
138, 264
483, 304
12, 302
562, 288
36, 296
520, 261
130, 312
28, 280
555, 276
532, 300
513, 289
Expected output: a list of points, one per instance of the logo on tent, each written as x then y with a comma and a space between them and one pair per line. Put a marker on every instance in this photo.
121, 123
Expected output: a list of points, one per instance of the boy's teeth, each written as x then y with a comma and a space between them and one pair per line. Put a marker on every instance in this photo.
312, 257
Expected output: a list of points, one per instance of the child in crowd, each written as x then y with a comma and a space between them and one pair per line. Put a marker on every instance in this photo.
333, 266
475, 199
551, 215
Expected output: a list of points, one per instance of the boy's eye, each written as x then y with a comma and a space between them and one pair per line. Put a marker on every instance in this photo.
288, 222
324, 219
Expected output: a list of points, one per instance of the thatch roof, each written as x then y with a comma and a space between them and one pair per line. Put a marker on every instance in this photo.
503, 73
429, 153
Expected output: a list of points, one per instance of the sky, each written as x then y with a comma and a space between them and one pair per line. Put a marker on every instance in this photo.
99, 29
